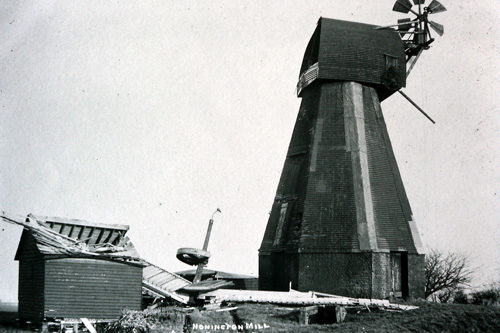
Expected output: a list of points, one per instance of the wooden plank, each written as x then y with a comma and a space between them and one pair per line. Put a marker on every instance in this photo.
111, 233
88, 325
356, 142
80, 233
117, 238
153, 275
306, 313
340, 314
70, 233
60, 220
164, 280
89, 237
178, 297
258, 296
101, 233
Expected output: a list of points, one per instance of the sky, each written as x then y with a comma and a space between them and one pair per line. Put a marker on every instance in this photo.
155, 113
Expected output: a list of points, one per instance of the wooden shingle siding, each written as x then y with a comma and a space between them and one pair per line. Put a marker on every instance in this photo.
338, 127
329, 219
320, 180
389, 197
293, 179
90, 288
350, 51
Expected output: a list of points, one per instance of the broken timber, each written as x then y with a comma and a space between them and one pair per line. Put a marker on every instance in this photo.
160, 283
297, 298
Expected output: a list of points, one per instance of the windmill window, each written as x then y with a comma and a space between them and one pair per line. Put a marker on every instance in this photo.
390, 61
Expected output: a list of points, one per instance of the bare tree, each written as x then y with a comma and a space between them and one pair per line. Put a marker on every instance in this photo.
445, 274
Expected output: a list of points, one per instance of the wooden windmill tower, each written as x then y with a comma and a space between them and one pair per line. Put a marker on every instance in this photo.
341, 221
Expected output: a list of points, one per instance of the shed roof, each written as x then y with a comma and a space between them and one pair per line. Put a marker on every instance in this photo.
55, 236
89, 232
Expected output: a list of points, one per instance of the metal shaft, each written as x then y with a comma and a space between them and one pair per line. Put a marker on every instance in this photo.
199, 268
207, 236
199, 273
415, 105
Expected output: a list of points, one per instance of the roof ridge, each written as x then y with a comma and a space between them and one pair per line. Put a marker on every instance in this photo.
79, 222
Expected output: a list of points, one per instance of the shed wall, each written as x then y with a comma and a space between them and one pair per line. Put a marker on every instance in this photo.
31, 272
96, 289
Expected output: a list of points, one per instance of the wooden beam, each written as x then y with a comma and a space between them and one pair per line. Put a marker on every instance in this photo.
80, 232
306, 313
71, 231
90, 235
100, 236
109, 236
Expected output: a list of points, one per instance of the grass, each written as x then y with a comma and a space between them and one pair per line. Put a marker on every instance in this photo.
430, 317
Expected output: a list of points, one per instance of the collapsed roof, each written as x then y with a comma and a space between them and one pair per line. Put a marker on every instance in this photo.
56, 236
61, 237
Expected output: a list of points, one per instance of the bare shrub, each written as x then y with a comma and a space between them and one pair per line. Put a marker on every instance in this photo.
445, 274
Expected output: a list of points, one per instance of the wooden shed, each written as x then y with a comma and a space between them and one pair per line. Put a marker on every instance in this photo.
72, 269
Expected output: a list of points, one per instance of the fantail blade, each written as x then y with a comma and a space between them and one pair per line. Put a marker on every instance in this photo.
404, 25
418, 2
436, 7
406, 22
437, 27
402, 6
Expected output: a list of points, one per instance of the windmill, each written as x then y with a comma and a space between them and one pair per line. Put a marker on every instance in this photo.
341, 222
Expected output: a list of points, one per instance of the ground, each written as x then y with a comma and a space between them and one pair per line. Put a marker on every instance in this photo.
430, 317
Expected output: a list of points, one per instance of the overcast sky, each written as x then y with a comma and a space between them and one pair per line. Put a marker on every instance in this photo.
154, 114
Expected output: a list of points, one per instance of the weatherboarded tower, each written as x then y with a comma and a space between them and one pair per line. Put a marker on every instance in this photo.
341, 222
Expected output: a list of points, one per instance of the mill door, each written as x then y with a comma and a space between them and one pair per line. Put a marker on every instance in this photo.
396, 275
399, 274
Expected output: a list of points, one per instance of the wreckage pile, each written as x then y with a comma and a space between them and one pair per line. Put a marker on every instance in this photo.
156, 281
297, 298
147, 321
64, 238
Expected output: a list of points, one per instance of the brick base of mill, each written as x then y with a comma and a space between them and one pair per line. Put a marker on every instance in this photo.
361, 274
